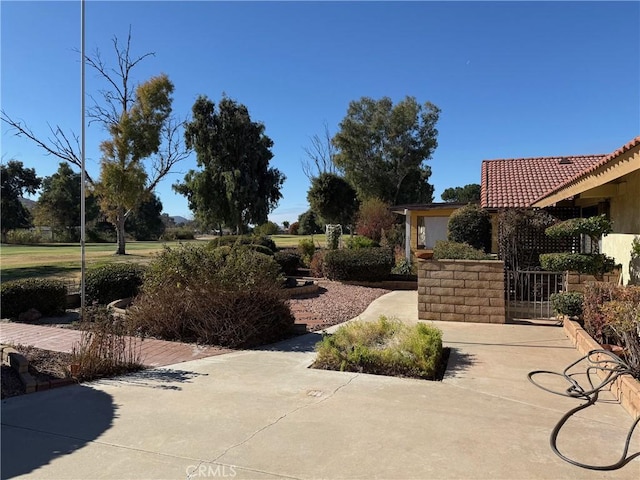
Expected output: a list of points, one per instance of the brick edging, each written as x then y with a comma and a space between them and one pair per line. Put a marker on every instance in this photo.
626, 388
20, 364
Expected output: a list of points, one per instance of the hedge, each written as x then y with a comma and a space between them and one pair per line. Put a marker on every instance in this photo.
446, 250
365, 264
49, 297
288, 260
589, 263
113, 281
233, 240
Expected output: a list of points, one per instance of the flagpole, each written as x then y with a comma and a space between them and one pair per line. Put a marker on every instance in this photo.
83, 173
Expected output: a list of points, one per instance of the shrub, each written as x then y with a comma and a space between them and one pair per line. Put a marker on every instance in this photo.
357, 242
595, 264
113, 281
567, 303
316, 265
105, 347
593, 227
385, 347
178, 233
374, 217
213, 296
49, 297
289, 261
370, 264
457, 251
234, 240
24, 237
622, 317
306, 249
404, 267
259, 248
334, 232
471, 224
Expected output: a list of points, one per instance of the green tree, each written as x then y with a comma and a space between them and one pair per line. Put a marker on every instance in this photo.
383, 149
471, 224
309, 223
333, 198
468, 194
146, 222
268, 228
58, 206
15, 182
236, 186
285, 225
140, 127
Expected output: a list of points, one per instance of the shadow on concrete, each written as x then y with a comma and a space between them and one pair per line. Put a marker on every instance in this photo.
38, 428
301, 343
159, 378
459, 361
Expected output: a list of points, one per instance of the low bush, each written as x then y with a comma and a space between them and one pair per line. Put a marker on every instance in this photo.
178, 233
357, 242
567, 303
592, 226
106, 283
306, 248
404, 267
235, 240
369, 264
595, 264
49, 297
24, 237
288, 260
316, 265
457, 251
228, 297
385, 347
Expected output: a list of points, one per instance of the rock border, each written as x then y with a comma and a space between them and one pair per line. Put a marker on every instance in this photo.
17, 361
626, 388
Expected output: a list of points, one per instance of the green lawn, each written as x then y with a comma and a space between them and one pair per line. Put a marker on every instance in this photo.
62, 260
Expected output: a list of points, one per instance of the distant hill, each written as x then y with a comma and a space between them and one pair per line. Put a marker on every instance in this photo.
178, 219
28, 204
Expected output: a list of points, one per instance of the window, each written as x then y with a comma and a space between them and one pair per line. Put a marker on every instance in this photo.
430, 230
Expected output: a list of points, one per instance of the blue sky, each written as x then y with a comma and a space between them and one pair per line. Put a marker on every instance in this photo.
513, 79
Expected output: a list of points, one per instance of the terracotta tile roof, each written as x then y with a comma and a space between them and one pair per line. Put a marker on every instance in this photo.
519, 182
592, 168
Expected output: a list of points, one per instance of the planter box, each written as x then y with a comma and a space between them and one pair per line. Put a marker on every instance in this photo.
626, 388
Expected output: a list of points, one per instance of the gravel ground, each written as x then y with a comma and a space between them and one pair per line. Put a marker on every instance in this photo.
335, 303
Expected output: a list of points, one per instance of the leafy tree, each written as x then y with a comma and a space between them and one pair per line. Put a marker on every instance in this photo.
59, 203
309, 223
285, 225
236, 186
146, 222
15, 182
374, 218
140, 126
167, 220
333, 198
468, 194
268, 228
382, 149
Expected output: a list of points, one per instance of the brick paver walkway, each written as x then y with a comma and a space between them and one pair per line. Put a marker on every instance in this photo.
154, 353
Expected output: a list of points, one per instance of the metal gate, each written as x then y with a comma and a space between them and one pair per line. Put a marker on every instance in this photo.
528, 291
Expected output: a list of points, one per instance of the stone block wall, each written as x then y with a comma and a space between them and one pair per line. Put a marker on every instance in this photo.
461, 290
576, 282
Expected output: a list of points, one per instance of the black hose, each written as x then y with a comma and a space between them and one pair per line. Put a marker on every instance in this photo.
614, 367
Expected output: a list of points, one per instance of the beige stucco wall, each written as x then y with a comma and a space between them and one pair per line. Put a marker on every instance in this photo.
618, 246
625, 208
414, 214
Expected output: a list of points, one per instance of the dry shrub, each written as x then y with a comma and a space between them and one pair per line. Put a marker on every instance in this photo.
231, 298
105, 348
316, 266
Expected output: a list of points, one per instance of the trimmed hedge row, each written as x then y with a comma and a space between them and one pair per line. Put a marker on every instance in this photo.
234, 240
365, 264
113, 281
447, 250
288, 260
590, 263
49, 297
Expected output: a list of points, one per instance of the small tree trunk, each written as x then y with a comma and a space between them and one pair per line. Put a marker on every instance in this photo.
120, 232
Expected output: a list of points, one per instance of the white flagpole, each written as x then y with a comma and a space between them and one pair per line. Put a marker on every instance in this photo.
82, 176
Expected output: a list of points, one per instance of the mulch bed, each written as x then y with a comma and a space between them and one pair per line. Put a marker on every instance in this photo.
43, 365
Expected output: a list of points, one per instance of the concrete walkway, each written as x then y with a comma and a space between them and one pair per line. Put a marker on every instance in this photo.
153, 353
265, 414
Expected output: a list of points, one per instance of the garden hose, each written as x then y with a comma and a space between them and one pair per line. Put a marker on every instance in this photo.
613, 366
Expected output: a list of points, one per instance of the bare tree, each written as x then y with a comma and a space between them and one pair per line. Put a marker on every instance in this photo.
137, 133
319, 155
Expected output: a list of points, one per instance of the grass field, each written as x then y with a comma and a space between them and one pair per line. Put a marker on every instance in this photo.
62, 260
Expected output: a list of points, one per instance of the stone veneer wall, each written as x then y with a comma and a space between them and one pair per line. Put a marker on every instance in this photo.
461, 290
